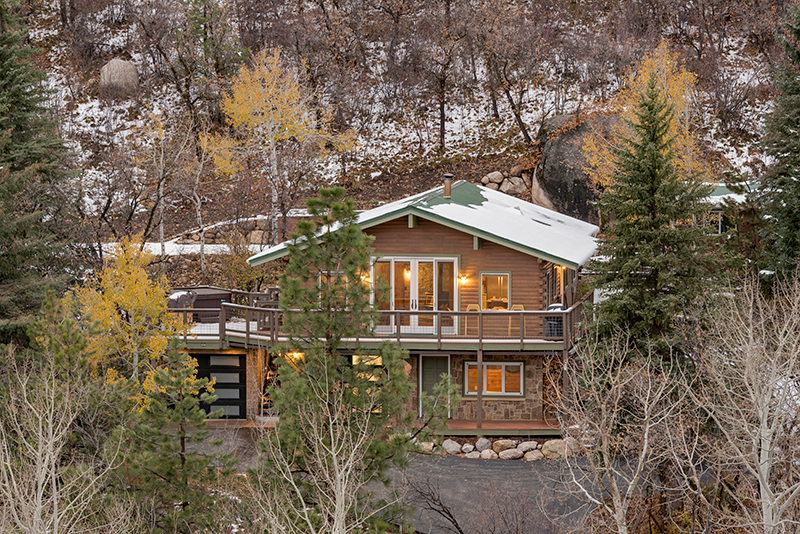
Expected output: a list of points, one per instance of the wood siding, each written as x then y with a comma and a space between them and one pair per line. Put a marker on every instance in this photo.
432, 239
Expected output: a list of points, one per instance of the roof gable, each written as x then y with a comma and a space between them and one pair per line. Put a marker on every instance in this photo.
490, 215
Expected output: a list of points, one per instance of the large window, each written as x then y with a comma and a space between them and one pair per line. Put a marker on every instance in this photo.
494, 291
499, 378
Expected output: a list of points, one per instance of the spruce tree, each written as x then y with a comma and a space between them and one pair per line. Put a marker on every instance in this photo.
654, 258
31, 195
779, 195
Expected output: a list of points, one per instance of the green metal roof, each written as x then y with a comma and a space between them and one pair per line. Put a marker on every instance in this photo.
490, 215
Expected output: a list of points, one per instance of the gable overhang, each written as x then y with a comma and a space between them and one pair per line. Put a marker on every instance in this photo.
280, 251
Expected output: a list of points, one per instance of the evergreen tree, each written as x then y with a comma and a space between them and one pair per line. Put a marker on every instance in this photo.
779, 195
337, 409
654, 257
164, 462
31, 171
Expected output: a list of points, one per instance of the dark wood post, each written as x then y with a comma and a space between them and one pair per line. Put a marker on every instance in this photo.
221, 325
479, 406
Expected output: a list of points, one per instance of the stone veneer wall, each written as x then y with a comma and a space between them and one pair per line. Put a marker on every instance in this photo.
256, 369
508, 409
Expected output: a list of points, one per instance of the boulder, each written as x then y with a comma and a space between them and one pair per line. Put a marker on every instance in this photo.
516, 170
451, 447
493, 186
118, 79
526, 446
555, 448
473, 454
574, 445
482, 444
526, 178
510, 454
426, 447
467, 448
513, 186
495, 177
485, 180
257, 237
560, 169
489, 454
533, 456
503, 444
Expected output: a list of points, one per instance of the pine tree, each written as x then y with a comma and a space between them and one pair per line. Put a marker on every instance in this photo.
164, 462
31, 171
655, 258
779, 195
337, 408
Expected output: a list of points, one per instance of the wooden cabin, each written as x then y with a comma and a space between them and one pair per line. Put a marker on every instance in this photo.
483, 286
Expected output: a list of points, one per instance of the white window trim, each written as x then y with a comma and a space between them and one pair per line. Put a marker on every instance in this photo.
521, 365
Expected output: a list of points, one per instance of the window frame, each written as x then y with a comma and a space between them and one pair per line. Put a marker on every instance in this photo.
504, 364
482, 274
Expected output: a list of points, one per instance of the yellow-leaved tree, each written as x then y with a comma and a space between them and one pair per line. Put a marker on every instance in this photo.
269, 104
129, 308
678, 86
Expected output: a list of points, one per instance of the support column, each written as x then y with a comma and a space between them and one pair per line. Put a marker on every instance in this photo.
479, 406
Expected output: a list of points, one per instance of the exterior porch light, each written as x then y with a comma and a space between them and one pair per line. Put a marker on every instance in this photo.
463, 279
294, 359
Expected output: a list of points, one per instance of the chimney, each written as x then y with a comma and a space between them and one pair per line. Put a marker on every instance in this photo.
448, 182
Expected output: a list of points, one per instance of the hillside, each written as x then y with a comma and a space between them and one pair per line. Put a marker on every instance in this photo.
426, 87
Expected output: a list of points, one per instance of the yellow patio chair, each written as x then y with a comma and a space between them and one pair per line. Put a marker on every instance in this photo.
515, 307
470, 308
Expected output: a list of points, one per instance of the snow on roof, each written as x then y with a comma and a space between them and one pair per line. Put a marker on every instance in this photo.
722, 194
490, 215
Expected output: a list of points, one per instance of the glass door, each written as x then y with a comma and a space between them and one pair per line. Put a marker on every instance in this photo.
415, 285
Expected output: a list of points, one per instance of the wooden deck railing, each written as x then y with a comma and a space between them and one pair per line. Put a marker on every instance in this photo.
264, 325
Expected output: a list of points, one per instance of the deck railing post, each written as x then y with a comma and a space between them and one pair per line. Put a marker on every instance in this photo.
248, 315
397, 324
222, 331
521, 330
438, 319
273, 326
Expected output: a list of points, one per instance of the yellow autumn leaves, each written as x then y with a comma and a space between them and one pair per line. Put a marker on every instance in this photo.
269, 103
677, 85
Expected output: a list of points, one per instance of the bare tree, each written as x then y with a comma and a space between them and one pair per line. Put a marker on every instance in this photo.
617, 405
749, 364
44, 486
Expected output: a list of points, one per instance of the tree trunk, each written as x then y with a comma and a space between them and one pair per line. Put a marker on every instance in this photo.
273, 206
517, 117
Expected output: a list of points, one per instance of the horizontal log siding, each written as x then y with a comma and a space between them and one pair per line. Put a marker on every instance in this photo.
432, 239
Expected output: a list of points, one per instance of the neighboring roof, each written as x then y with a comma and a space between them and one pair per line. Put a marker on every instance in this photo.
489, 215
721, 194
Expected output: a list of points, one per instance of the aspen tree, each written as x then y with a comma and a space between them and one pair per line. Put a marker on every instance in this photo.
130, 309
269, 104
676, 85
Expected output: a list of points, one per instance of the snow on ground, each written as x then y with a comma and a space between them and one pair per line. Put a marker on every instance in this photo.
94, 124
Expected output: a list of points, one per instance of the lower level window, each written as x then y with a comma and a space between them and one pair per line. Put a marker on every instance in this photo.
499, 378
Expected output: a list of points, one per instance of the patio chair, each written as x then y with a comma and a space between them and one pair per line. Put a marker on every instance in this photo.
515, 307
470, 308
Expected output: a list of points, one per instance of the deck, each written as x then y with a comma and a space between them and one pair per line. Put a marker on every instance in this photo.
261, 326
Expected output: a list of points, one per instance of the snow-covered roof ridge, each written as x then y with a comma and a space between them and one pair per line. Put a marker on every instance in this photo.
490, 215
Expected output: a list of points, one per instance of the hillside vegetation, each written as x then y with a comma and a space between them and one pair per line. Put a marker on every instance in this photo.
416, 83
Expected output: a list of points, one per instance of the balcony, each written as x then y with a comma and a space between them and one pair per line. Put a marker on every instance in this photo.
253, 320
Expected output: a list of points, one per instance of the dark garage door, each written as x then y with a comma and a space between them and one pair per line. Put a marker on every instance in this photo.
230, 372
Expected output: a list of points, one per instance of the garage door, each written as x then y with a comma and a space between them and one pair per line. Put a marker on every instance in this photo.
230, 372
